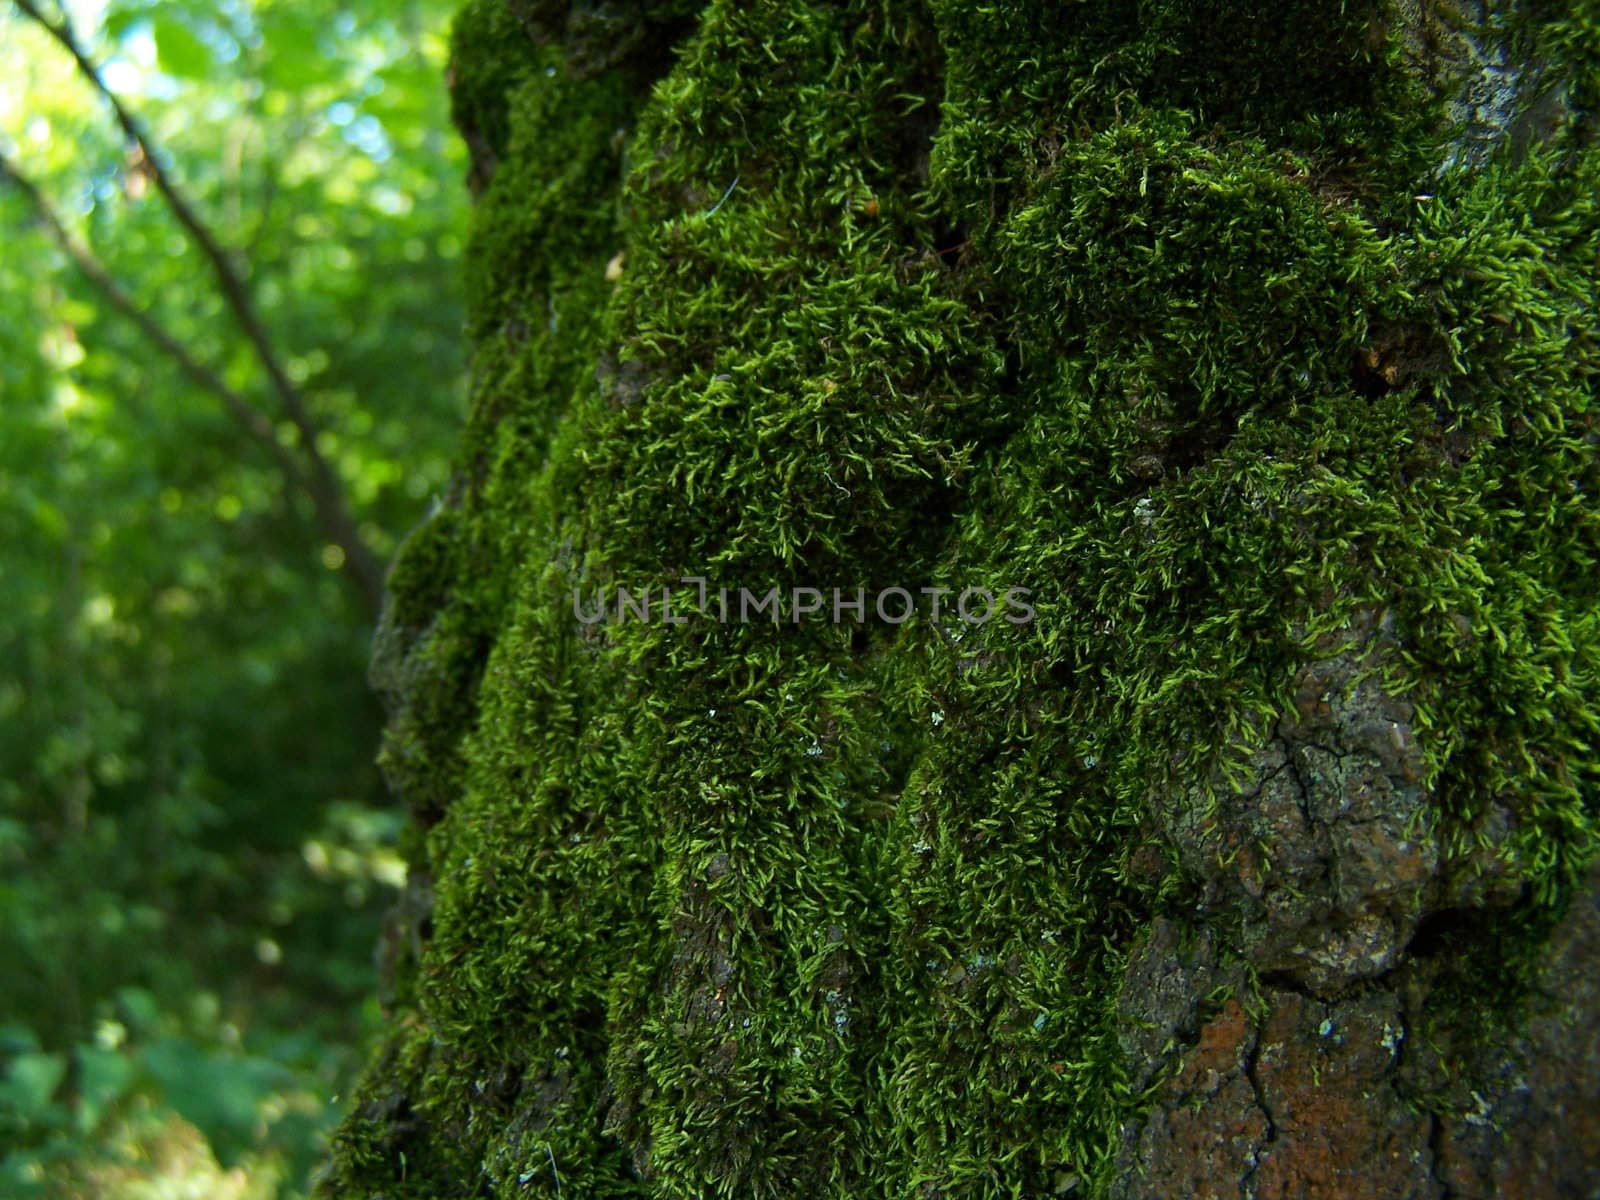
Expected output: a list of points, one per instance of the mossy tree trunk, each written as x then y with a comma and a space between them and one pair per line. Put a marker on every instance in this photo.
1258, 342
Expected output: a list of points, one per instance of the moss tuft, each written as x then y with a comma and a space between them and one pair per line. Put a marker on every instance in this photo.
1190, 319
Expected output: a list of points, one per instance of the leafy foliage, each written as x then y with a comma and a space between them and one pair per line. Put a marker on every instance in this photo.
194, 842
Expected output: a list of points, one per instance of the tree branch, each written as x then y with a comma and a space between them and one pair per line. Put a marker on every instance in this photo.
248, 416
322, 484
251, 418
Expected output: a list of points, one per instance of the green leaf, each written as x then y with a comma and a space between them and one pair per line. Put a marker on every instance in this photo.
292, 54
138, 1008
179, 51
104, 1077
31, 1082
220, 1094
122, 21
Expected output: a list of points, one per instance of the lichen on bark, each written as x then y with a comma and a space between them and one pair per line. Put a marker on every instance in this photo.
1259, 341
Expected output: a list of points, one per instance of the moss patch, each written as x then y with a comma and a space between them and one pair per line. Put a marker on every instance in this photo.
1172, 315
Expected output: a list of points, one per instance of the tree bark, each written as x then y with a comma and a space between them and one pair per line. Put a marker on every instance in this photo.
1245, 355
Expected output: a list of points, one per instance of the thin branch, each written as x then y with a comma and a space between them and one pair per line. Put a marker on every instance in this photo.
249, 417
323, 484
253, 420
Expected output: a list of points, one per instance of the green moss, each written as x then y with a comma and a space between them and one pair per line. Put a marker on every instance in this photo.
1202, 346
481, 84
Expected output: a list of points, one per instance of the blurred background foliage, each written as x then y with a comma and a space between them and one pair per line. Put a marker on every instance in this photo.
195, 849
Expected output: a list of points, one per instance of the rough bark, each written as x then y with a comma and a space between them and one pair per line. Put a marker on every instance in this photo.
1259, 342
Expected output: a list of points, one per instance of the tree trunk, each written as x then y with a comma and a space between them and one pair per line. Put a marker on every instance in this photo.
1244, 355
